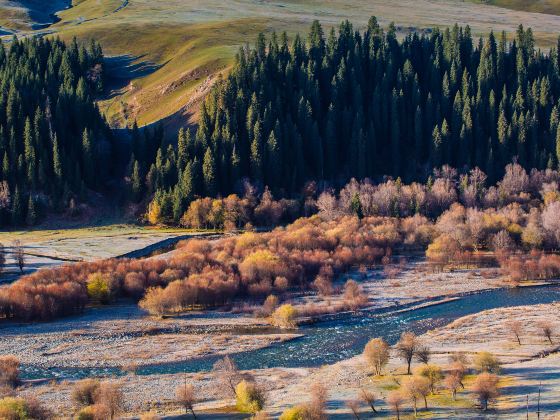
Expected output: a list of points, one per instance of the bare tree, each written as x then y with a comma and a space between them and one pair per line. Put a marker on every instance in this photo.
396, 399
423, 354
452, 382
407, 348
19, 255
376, 354
369, 398
228, 374
547, 330
354, 406
515, 327
186, 397
486, 388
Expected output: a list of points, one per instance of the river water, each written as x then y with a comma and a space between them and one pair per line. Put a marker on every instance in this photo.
341, 337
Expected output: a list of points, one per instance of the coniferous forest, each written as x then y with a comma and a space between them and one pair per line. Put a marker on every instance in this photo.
351, 104
54, 143
328, 108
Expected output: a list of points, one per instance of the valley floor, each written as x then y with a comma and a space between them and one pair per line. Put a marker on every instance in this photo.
122, 339
50, 247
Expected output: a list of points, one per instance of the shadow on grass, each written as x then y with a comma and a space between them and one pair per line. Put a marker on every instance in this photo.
122, 69
535, 373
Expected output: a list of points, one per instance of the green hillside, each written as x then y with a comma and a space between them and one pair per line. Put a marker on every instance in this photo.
175, 49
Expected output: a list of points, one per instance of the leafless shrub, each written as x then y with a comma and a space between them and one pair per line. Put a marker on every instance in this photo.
84, 392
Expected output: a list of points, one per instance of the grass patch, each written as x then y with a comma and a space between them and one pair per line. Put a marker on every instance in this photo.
445, 399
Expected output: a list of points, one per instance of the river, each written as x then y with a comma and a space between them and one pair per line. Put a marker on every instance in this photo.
341, 337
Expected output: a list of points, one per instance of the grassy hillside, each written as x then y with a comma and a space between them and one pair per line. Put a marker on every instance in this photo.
171, 51
537, 6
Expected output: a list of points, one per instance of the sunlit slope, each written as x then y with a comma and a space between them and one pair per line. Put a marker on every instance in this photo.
537, 6
175, 48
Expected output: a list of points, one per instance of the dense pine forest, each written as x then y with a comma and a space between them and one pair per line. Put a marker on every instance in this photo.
54, 144
363, 105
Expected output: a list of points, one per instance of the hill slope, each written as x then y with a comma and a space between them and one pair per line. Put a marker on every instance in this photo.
174, 49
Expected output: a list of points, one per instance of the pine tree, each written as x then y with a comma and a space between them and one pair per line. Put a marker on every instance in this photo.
31, 218
136, 182
30, 157
18, 214
274, 161
209, 174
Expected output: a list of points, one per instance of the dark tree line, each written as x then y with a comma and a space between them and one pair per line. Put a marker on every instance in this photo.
354, 104
54, 143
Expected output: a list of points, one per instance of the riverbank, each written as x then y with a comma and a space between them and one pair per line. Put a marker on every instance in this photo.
151, 357
345, 380
123, 337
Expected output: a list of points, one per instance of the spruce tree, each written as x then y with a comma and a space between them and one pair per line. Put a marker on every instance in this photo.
209, 174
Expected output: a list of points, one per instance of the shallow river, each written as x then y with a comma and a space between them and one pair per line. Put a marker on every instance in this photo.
343, 336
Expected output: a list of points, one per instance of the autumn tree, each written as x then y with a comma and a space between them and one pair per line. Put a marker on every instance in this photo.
284, 316
433, 374
423, 354
486, 388
414, 388
318, 404
452, 382
155, 301
376, 353
354, 406
84, 392
354, 295
486, 362
249, 396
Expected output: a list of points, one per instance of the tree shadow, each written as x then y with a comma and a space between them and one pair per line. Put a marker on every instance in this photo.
122, 69
535, 373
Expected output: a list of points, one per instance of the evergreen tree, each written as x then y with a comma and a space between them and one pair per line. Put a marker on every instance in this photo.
209, 174
136, 182
31, 218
